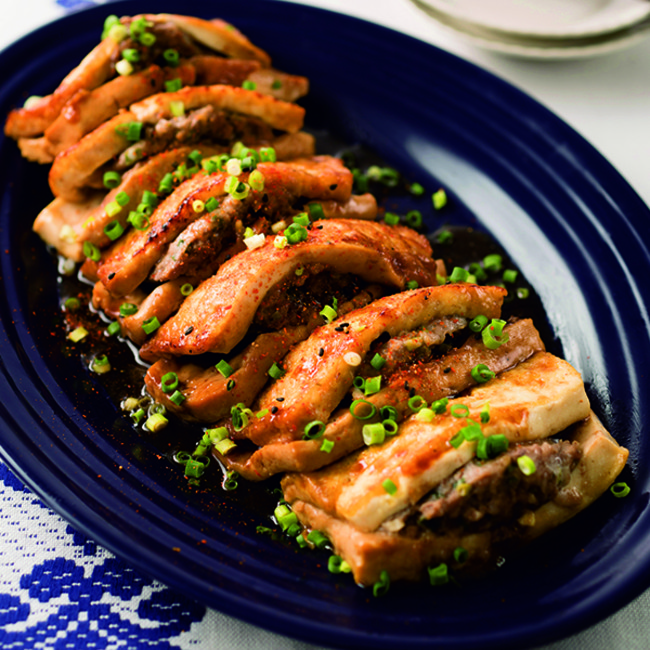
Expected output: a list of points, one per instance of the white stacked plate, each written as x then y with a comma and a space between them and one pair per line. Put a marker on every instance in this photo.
545, 28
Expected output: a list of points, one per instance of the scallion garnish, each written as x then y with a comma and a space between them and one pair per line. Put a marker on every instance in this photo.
510, 275
412, 284
113, 328
130, 130
459, 410
211, 204
124, 68
248, 85
391, 218
177, 397
276, 371
417, 402
493, 335
169, 382
460, 555
459, 274
317, 539
493, 262
440, 405
128, 309
100, 364
372, 385
481, 373
256, 180
425, 415
328, 313
381, 587
373, 434
72, 304
267, 154
445, 237
315, 211
91, 251
389, 486
186, 289
526, 464
413, 218
156, 422
314, 430
388, 412
111, 179
620, 489
113, 230
378, 362
361, 409
438, 575
416, 189
336, 564
439, 199
295, 233
390, 427
327, 445
477, 324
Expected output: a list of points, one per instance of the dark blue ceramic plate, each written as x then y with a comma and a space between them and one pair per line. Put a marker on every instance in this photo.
567, 219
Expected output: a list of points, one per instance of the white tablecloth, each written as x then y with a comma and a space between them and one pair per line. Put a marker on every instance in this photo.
58, 589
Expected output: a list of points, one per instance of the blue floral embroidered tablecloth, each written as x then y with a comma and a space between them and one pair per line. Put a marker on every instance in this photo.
58, 589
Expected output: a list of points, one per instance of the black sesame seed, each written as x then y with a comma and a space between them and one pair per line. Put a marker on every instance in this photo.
189, 330
279, 399
446, 370
321, 352
111, 275
274, 409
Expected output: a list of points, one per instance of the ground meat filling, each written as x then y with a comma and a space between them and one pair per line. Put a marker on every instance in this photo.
204, 124
484, 493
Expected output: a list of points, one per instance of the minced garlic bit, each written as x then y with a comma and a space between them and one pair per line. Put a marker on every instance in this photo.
255, 241
352, 358
123, 68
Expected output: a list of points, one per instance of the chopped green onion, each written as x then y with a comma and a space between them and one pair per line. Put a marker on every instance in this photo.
390, 427
113, 328
173, 85
317, 539
138, 220
275, 371
359, 382
276, 85
373, 434
378, 362
481, 373
233, 167
388, 412
425, 415
113, 230
91, 251
314, 430
72, 304
302, 219
131, 55
224, 446
417, 402
389, 486
460, 555
381, 587
413, 219
523, 293
100, 364
445, 237
166, 184
526, 464
362, 405
327, 446
156, 422
240, 415
328, 313
186, 289
124, 68
111, 179
285, 516
147, 39
391, 218
109, 22
485, 413
112, 208
373, 385
137, 416
412, 284
211, 204
198, 206
150, 325
224, 368
169, 382
620, 490
492, 262
249, 85
296, 233
130, 130
493, 335
117, 33
267, 154
510, 275
128, 309
459, 274
416, 189
337, 564
316, 211
177, 397
177, 108
256, 180
77, 334
438, 575
439, 199
171, 57
194, 468
477, 324
440, 405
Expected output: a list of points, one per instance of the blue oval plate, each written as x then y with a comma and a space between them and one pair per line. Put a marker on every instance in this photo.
567, 219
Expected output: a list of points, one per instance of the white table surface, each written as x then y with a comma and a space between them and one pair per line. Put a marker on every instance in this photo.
606, 99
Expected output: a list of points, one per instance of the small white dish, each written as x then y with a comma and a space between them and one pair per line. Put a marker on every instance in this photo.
546, 18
